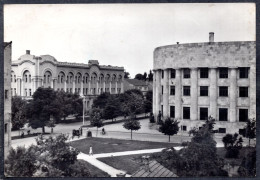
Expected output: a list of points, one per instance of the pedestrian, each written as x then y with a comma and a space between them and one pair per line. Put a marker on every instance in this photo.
90, 151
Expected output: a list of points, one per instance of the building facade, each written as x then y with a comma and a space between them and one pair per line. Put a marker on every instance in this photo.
197, 80
143, 86
88, 80
7, 97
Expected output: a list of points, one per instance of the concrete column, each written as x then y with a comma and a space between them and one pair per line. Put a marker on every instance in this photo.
110, 85
52, 83
154, 92
213, 92
81, 88
19, 86
194, 94
22, 88
116, 87
233, 94
178, 95
122, 87
65, 85
166, 94
158, 93
252, 91
73, 86
104, 86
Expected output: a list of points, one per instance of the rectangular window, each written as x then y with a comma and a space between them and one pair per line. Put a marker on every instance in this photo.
6, 94
5, 127
30, 92
243, 72
162, 74
243, 115
186, 90
172, 92
204, 73
223, 72
243, 91
186, 73
203, 113
223, 114
186, 112
15, 91
184, 128
223, 91
162, 109
173, 73
162, 89
204, 90
222, 130
172, 111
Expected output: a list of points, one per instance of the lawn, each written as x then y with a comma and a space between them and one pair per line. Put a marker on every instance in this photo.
94, 171
108, 145
129, 164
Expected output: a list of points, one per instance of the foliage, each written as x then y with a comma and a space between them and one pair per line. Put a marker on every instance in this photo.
126, 76
250, 129
101, 100
150, 76
21, 162
132, 124
148, 102
169, 127
232, 144
134, 91
18, 114
139, 76
42, 107
133, 104
78, 169
248, 165
95, 119
112, 108
145, 76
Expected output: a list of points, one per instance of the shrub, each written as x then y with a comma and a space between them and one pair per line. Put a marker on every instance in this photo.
232, 144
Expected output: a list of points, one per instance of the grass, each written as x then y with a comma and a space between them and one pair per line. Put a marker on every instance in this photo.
108, 145
27, 135
129, 164
94, 171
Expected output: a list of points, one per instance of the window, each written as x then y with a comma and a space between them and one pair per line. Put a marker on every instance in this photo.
223, 72
6, 94
204, 73
11, 78
25, 92
243, 72
71, 90
29, 78
203, 113
162, 109
162, 74
223, 114
30, 92
5, 127
186, 73
243, 115
184, 128
186, 112
15, 91
26, 78
172, 91
243, 91
223, 91
86, 90
186, 90
222, 130
173, 73
162, 89
14, 78
11, 91
204, 90
172, 111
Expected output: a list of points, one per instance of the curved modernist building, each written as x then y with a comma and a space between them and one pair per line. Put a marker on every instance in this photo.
197, 80
30, 72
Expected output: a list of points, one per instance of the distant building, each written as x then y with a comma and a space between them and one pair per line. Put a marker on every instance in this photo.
143, 86
30, 72
7, 96
197, 80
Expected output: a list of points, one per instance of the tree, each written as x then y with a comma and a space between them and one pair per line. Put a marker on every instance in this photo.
145, 76
169, 127
18, 114
112, 108
126, 76
21, 162
134, 91
133, 104
101, 100
139, 76
132, 124
247, 167
232, 144
95, 120
250, 130
148, 103
42, 107
150, 76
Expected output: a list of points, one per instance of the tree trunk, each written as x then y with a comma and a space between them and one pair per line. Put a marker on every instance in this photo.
51, 130
131, 134
169, 138
43, 129
64, 118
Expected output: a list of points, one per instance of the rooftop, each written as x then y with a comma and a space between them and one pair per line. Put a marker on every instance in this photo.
136, 82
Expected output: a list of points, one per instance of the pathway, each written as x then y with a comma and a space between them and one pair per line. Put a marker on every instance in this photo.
110, 170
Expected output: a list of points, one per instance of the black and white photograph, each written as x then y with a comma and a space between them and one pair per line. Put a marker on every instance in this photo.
129, 90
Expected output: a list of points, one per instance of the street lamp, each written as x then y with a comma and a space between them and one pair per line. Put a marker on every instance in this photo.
84, 101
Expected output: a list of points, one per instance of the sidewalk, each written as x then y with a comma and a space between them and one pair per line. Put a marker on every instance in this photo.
110, 170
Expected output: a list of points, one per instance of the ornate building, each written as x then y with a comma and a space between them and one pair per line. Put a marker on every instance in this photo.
30, 72
197, 80
7, 97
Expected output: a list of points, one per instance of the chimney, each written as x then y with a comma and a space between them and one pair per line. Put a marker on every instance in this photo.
211, 37
27, 51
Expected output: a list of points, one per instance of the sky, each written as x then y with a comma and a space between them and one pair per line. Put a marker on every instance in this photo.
121, 34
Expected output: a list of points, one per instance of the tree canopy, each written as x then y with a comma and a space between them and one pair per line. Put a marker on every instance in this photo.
18, 114
132, 125
169, 127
